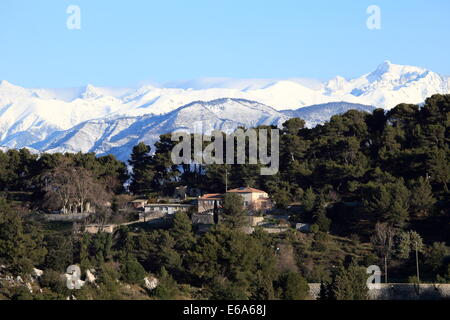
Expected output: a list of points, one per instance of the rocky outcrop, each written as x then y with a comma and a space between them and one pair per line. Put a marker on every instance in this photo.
150, 283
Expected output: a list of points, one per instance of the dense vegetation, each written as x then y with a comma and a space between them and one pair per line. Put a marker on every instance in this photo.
374, 187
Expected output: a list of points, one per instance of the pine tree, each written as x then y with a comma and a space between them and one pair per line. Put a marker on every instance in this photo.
323, 293
13, 242
294, 286
422, 199
398, 214
233, 210
349, 284
309, 200
143, 173
439, 167
84, 252
132, 271
167, 288
389, 202
321, 220
182, 232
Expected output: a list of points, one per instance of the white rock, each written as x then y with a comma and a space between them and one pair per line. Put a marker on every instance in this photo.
28, 285
90, 277
37, 273
150, 283
80, 283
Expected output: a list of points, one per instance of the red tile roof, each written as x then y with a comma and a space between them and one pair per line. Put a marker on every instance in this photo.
219, 196
246, 190
212, 196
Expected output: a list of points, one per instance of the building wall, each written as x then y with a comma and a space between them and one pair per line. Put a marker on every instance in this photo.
252, 201
206, 205
166, 209
248, 198
67, 217
255, 201
399, 291
93, 229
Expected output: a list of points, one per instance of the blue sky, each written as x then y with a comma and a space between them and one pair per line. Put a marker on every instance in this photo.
125, 43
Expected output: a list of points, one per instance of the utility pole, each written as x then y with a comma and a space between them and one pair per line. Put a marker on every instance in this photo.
385, 269
226, 180
417, 263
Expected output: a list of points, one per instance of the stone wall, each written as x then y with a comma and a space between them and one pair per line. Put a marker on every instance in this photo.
94, 228
400, 291
275, 230
66, 217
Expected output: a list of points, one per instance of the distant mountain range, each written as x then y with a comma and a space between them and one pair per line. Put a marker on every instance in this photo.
318, 114
107, 120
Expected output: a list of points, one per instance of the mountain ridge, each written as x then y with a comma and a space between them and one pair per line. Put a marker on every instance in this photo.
32, 117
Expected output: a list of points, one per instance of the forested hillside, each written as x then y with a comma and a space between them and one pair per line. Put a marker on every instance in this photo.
374, 187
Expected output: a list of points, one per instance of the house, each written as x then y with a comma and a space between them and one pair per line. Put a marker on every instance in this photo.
303, 227
254, 200
161, 212
208, 202
167, 208
138, 203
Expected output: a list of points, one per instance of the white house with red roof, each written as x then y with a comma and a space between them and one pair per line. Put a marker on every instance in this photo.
253, 200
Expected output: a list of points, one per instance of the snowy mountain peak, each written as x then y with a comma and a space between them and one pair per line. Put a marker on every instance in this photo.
388, 71
112, 119
91, 93
336, 84
5, 83
387, 86
382, 69
9, 91
385, 66
118, 136
285, 86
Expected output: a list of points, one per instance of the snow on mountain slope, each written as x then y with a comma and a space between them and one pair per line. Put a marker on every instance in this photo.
152, 100
118, 136
31, 117
239, 84
288, 95
280, 95
70, 94
388, 86
318, 114
26, 117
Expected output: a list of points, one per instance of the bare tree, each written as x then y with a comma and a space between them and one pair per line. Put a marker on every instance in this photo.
383, 240
73, 189
59, 190
86, 189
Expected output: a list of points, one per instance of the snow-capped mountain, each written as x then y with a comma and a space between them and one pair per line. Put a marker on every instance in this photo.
388, 86
318, 114
118, 136
92, 118
26, 117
